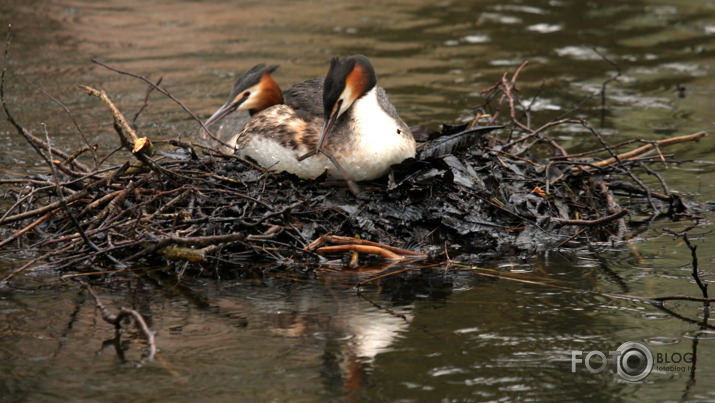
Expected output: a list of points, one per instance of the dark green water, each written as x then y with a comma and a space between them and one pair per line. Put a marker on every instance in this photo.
434, 335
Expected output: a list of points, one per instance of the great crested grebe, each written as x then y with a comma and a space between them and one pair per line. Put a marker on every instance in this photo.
360, 137
252, 92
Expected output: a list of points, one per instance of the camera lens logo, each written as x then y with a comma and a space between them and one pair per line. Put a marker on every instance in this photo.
634, 361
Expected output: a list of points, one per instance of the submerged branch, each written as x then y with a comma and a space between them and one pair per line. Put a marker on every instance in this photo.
116, 320
696, 276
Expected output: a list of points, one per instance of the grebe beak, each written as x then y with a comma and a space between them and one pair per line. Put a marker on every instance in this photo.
227, 109
329, 124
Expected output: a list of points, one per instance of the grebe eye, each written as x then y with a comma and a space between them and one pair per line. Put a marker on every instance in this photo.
246, 94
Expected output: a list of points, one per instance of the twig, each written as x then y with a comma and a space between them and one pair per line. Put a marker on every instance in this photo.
29, 264
372, 250
33, 191
44, 209
140, 147
706, 300
703, 287
140, 144
76, 125
73, 158
73, 197
116, 320
641, 150
65, 206
593, 223
167, 94
508, 87
200, 241
174, 252
605, 83
585, 153
628, 172
613, 207
75, 223
631, 188
537, 133
663, 184
344, 240
21, 232
572, 237
146, 101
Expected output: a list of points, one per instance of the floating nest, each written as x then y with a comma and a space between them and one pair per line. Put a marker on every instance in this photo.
475, 192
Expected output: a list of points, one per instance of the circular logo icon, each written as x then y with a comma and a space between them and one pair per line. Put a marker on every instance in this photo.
635, 361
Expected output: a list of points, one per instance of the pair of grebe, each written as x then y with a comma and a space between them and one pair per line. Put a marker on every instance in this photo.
343, 124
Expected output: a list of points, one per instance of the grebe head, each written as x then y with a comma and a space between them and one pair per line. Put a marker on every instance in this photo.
254, 91
348, 79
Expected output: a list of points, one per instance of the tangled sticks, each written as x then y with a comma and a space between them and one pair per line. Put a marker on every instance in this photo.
193, 207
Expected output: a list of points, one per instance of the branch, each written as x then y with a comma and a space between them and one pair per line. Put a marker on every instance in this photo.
65, 206
642, 150
168, 95
116, 320
71, 198
592, 223
703, 287
89, 147
200, 241
615, 77
140, 144
345, 240
146, 101
706, 300
372, 250
21, 232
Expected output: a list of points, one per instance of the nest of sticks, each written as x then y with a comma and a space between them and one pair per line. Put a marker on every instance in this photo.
474, 194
